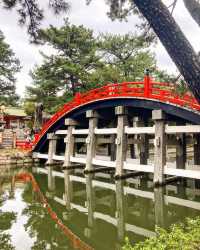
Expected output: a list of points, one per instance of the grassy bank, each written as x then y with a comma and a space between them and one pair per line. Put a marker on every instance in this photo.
185, 236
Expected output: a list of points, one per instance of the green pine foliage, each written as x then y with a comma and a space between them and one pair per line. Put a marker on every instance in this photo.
9, 66
81, 62
128, 53
67, 70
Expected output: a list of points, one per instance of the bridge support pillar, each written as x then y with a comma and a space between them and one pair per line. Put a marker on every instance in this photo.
132, 145
69, 140
181, 151
159, 147
91, 139
121, 140
197, 150
136, 137
52, 147
144, 144
112, 146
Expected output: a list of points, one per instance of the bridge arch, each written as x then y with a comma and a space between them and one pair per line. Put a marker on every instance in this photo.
139, 97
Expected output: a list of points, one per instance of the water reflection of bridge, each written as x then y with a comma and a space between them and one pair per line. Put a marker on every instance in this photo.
120, 195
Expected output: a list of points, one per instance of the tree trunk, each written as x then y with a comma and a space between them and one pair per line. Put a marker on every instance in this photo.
174, 41
73, 85
193, 6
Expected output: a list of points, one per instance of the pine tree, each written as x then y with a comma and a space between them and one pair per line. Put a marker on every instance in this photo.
9, 66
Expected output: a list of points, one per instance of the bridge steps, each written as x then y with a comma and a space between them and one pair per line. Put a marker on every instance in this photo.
7, 139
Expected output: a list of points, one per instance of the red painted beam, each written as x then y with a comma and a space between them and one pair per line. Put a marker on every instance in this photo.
148, 89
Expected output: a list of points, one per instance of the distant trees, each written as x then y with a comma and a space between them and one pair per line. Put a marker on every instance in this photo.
9, 66
157, 15
81, 62
67, 70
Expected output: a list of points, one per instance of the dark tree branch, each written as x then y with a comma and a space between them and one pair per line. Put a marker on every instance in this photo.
174, 41
193, 6
31, 15
173, 5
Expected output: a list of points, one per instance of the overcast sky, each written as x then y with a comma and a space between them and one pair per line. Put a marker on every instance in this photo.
94, 17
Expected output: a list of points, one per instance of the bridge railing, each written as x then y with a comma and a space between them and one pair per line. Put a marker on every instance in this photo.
148, 89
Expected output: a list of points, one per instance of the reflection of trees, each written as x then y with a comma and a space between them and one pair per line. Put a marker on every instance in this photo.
6, 219
41, 226
3, 197
5, 242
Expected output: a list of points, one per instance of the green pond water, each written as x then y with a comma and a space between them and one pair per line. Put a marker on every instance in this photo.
96, 211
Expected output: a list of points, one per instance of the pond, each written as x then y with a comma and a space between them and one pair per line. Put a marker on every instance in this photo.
39, 210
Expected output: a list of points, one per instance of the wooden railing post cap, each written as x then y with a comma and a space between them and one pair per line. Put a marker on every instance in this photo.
92, 114
121, 110
158, 115
70, 122
136, 119
51, 136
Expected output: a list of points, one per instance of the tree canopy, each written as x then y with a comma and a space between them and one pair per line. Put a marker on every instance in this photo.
82, 61
9, 66
66, 71
128, 53
157, 14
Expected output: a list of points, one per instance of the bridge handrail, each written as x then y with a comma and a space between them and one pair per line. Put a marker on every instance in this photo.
148, 89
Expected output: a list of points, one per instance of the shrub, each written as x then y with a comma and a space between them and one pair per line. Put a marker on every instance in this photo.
182, 236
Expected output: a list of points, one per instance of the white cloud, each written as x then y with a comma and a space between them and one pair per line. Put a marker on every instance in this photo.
94, 17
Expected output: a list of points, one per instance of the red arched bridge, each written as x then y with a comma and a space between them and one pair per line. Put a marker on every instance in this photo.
147, 90
164, 118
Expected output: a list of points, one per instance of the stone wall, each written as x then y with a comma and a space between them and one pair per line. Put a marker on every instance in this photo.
14, 158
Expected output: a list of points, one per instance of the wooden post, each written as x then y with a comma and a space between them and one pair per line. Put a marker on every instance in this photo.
132, 146
14, 139
69, 140
91, 139
197, 150
136, 146
159, 146
144, 145
112, 146
121, 140
181, 151
52, 147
